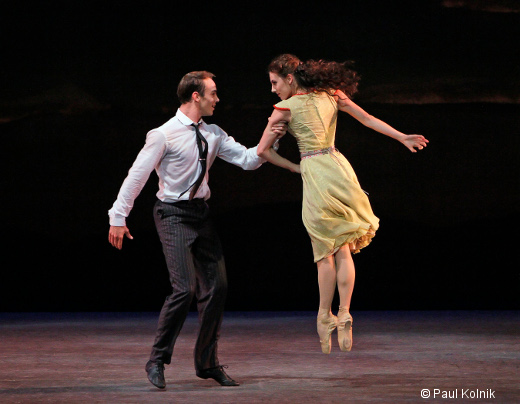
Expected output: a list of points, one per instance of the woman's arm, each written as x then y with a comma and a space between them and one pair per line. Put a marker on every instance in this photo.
345, 104
269, 136
265, 150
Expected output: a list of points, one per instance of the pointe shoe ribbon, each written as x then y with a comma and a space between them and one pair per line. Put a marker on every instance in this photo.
344, 330
326, 323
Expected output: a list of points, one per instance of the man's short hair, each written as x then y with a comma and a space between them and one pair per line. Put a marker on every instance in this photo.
192, 82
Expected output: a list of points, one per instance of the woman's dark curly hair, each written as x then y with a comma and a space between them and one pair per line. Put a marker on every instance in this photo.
317, 75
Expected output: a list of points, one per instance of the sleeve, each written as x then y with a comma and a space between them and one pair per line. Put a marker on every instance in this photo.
235, 153
283, 105
147, 159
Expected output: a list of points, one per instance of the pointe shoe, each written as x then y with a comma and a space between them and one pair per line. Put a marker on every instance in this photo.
326, 323
344, 329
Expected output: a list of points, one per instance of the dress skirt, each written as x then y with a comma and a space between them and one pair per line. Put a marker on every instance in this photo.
335, 210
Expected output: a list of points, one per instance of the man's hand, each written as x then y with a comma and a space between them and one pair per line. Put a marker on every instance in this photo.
116, 235
279, 129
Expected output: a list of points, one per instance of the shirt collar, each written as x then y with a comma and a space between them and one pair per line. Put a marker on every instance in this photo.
184, 119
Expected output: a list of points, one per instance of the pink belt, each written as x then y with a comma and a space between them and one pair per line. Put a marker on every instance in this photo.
313, 153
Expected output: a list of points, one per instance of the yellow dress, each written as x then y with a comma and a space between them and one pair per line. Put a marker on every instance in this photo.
335, 210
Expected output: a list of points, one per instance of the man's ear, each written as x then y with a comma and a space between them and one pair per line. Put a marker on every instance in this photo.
195, 96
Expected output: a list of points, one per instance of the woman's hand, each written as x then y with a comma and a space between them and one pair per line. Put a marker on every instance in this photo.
414, 141
295, 168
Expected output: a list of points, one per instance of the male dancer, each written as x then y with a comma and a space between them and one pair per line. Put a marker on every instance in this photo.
181, 151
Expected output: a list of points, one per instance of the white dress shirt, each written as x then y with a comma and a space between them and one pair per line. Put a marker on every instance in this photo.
172, 151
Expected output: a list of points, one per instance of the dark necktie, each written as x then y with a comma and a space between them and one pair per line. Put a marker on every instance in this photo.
203, 152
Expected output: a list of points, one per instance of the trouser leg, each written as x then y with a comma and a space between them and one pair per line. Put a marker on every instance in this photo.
211, 295
177, 235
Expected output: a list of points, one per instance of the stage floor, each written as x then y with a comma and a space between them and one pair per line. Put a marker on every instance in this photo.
397, 357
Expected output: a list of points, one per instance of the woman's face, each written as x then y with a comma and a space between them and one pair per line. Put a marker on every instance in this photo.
281, 86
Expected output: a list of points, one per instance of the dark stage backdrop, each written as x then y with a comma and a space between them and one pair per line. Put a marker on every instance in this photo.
82, 83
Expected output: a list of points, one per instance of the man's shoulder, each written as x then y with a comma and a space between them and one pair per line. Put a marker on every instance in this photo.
169, 129
214, 129
170, 125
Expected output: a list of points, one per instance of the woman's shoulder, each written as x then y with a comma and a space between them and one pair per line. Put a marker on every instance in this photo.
293, 101
325, 94
299, 99
284, 105
330, 93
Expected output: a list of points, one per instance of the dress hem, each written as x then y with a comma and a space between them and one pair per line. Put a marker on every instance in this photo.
355, 244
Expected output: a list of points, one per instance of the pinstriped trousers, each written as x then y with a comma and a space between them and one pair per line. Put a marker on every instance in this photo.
196, 267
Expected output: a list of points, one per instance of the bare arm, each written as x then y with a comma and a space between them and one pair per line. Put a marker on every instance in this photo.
265, 150
345, 104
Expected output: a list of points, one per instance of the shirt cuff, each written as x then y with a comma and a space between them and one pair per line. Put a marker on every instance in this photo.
117, 220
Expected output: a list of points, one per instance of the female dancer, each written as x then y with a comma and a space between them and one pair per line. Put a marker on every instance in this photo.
335, 210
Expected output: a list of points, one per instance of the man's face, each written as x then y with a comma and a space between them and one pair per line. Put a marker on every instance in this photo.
210, 99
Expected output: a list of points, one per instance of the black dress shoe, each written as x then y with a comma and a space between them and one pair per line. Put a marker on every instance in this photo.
217, 374
155, 372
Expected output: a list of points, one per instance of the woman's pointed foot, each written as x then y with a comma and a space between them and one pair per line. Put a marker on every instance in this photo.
326, 323
344, 329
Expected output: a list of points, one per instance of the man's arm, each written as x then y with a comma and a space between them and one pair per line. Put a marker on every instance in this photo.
144, 164
235, 153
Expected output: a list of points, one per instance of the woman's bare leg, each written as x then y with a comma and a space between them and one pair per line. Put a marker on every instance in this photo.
326, 281
346, 275
326, 321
